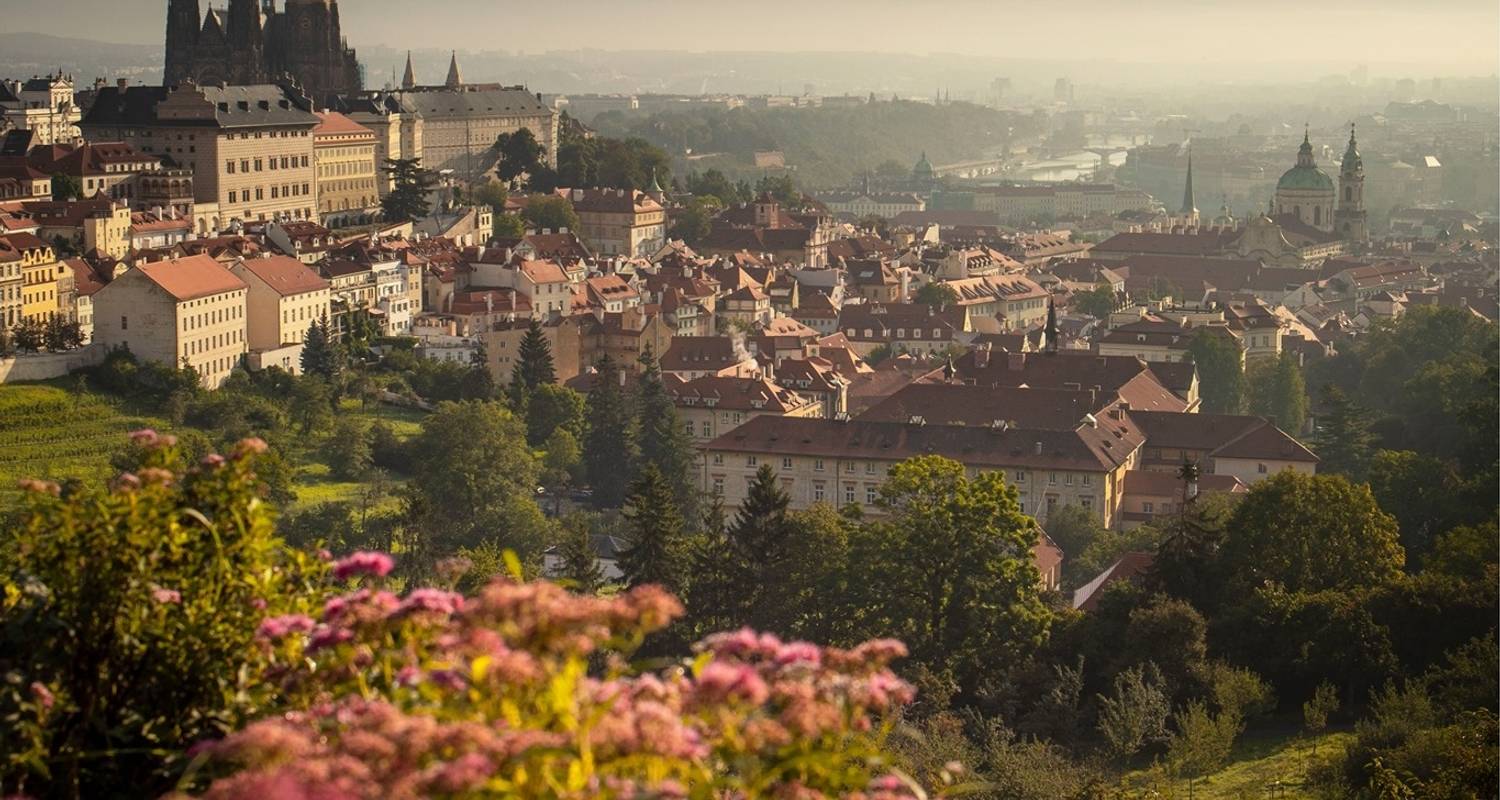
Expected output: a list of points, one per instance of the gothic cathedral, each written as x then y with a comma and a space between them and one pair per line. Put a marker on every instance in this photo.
251, 42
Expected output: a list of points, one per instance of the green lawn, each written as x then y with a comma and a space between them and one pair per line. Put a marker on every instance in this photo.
1263, 765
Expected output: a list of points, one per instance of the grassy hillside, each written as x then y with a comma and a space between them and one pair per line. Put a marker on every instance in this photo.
55, 433
1262, 765
52, 431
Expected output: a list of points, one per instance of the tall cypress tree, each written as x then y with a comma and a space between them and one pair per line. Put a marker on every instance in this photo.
609, 449
1343, 440
663, 441
759, 549
655, 529
407, 199
534, 365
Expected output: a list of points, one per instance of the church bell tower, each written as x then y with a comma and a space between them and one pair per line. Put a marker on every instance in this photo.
1351, 220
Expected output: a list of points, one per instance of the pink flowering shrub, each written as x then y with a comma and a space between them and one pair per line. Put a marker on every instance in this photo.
128, 619
524, 690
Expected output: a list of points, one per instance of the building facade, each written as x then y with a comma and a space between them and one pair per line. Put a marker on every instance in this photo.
250, 147
284, 297
182, 312
619, 222
42, 105
344, 161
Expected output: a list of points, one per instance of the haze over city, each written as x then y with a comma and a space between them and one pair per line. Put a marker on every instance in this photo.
856, 399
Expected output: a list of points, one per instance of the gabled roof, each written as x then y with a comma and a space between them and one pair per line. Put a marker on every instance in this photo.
191, 278
981, 406
1221, 436
1128, 567
284, 275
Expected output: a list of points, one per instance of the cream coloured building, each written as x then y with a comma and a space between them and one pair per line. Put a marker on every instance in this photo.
42, 105
250, 147
188, 311
844, 462
460, 121
344, 159
284, 298
711, 406
619, 222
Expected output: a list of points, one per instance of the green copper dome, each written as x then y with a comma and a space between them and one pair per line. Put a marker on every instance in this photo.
1305, 178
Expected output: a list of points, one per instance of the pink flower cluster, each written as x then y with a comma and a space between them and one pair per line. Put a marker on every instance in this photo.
363, 563
501, 694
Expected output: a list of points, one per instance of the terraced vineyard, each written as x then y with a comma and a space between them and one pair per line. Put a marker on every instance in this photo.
49, 432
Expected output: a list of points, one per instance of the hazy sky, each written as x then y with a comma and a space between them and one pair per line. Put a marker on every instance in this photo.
1450, 35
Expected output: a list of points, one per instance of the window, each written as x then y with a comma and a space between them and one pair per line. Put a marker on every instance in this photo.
1149, 508
229, 167
849, 467
752, 461
870, 494
818, 493
124, 323
1088, 480
1068, 479
1261, 468
718, 484
818, 465
1020, 476
1052, 479
718, 459
689, 427
1087, 503
786, 463
849, 494
870, 468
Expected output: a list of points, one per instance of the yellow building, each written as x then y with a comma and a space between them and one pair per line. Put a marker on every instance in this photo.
40, 273
187, 311
344, 160
285, 298
13, 251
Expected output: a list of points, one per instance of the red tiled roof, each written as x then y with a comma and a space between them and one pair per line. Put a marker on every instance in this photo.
285, 275
192, 277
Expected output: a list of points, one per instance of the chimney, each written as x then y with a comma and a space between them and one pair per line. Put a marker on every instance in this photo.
1016, 361
1038, 448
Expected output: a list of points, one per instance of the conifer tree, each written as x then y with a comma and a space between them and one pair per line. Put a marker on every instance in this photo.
321, 355
710, 597
609, 449
407, 199
478, 383
663, 441
580, 569
1343, 440
654, 553
759, 548
534, 365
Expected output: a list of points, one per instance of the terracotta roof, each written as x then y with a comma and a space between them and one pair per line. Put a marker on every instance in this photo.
698, 353
1127, 376
285, 275
982, 406
332, 123
1221, 435
1128, 567
1150, 483
192, 277
739, 394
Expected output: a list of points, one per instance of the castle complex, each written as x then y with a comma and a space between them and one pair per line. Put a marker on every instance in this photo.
251, 42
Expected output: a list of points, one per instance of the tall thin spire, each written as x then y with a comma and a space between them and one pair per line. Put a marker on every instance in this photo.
1189, 204
1050, 332
455, 78
409, 80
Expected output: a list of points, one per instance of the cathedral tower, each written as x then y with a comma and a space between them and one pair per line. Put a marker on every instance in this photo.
1306, 192
1351, 219
1189, 212
182, 37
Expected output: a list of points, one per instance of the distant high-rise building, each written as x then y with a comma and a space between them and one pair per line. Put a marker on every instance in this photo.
1062, 91
251, 42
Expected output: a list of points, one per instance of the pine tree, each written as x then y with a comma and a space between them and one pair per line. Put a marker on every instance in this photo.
580, 570
609, 449
1343, 440
710, 595
407, 199
478, 383
534, 365
321, 355
654, 553
663, 441
759, 548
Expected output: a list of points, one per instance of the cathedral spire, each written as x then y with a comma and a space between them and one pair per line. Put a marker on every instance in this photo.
1189, 204
1305, 152
455, 78
409, 80
1352, 162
